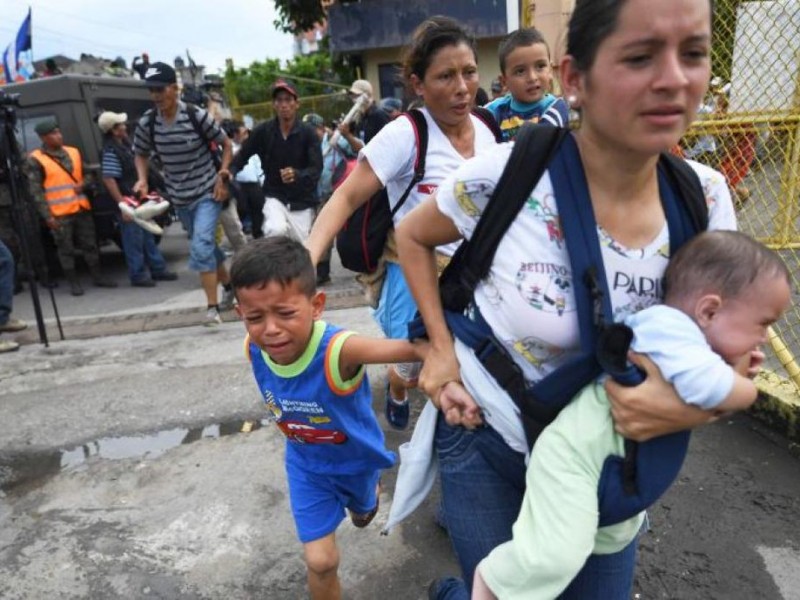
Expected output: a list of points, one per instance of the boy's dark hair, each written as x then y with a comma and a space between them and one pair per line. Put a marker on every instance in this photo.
527, 36
722, 262
276, 258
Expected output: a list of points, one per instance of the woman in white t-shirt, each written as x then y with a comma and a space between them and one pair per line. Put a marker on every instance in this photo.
636, 71
441, 69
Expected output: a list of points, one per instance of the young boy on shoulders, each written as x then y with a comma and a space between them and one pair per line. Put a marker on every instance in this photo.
528, 76
723, 290
313, 380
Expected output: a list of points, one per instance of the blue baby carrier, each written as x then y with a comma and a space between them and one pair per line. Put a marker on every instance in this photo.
631, 483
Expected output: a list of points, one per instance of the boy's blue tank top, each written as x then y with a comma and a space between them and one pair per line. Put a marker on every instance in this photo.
329, 423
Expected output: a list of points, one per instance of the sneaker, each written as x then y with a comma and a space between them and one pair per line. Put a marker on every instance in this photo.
165, 276
213, 318
13, 325
150, 226
228, 299
149, 210
397, 413
322, 280
127, 210
8, 346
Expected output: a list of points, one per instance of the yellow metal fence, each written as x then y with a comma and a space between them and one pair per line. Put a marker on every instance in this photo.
749, 129
759, 154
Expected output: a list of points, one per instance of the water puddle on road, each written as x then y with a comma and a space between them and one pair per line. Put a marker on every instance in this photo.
23, 472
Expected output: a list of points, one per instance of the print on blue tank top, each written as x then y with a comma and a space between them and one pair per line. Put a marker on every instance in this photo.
329, 424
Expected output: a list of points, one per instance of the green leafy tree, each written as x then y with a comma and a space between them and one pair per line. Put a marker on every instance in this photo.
312, 75
316, 74
295, 16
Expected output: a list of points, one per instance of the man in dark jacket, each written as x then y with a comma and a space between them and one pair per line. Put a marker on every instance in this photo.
290, 158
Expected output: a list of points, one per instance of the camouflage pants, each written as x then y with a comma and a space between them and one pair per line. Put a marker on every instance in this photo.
8, 233
75, 236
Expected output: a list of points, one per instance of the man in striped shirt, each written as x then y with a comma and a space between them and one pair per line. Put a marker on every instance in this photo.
194, 185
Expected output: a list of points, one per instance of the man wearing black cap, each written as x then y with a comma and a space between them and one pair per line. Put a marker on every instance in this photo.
194, 185
290, 158
56, 182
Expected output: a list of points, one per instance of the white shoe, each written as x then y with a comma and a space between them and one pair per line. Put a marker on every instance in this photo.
8, 346
127, 210
151, 209
150, 226
13, 325
212, 318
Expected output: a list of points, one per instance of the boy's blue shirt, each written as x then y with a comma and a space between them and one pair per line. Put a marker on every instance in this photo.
328, 422
512, 114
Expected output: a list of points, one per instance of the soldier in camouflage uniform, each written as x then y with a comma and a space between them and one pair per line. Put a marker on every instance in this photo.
8, 234
56, 182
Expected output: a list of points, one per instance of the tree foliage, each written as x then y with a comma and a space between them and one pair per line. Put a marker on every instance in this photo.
295, 16
252, 84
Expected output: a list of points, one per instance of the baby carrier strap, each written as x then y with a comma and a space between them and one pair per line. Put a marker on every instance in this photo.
590, 287
631, 483
533, 148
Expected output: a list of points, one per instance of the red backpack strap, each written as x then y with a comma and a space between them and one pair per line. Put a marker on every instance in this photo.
420, 127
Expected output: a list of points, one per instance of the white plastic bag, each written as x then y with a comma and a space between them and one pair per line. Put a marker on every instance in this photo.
418, 468
277, 220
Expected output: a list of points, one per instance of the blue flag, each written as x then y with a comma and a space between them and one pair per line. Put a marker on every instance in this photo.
18, 56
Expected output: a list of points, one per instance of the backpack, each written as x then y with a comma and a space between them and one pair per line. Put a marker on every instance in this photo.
631, 483
192, 111
361, 240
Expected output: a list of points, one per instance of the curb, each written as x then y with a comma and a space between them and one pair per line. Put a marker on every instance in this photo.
778, 405
78, 328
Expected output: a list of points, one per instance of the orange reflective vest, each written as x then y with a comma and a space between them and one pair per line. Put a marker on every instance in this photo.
59, 187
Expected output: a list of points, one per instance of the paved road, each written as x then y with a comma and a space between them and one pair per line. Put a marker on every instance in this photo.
125, 474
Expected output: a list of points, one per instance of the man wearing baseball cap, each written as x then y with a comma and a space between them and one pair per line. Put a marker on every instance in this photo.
290, 158
56, 179
194, 185
369, 118
146, 264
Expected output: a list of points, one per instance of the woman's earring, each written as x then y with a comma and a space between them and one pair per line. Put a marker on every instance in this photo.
572, 101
